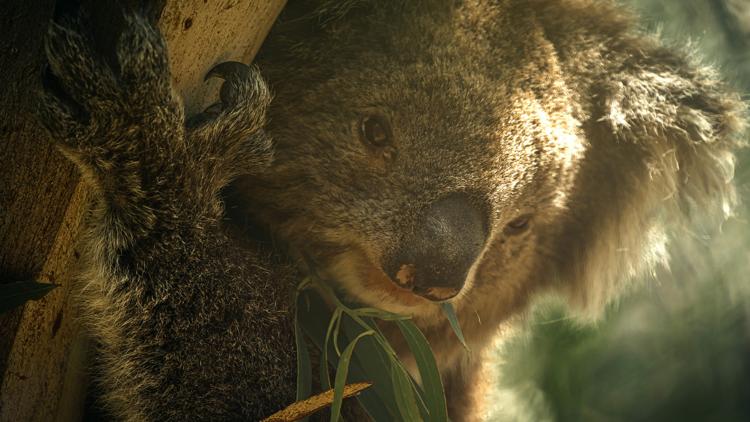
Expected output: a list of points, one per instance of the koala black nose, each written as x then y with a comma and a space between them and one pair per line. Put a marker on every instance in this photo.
434, 259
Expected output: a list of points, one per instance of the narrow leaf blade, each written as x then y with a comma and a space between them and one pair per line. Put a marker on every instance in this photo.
17, 293
325, 381
304, 367
434, 394
404, 394
341, 371
368, 364
377, 313
371, 363
450, 313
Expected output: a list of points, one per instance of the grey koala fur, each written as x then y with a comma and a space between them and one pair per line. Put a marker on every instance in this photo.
193, 325
556, 109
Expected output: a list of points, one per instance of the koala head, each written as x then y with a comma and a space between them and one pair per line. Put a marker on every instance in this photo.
412, 166
432, 153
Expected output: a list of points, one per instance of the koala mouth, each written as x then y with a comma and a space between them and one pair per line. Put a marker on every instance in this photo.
406, 279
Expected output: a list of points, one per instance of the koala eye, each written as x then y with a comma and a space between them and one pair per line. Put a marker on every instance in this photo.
375, 131
518, 225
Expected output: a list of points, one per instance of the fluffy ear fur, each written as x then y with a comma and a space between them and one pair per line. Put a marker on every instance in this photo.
661, 131
311, 17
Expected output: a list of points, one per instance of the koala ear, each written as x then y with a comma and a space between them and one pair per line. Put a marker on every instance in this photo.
687, 124
306, 28
315, 15
662, 135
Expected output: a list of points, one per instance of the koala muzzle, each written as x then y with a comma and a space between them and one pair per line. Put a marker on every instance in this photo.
434, 259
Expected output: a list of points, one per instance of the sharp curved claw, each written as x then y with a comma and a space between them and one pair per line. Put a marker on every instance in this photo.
232, 73
227, 70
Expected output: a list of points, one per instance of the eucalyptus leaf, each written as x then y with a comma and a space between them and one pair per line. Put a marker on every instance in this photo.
450, 313
336, 336
404, 394
341, 372
377, 313
370, 363
432, 384
304, 368
17, 293
394, 395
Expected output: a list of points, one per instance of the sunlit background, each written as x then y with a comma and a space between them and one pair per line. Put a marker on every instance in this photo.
678, 348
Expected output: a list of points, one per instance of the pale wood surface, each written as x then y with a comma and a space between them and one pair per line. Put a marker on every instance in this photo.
42, 204
202, 34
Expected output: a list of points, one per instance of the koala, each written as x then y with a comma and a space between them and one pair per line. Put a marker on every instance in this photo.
477, 152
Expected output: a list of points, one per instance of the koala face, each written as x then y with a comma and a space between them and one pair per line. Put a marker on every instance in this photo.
418, 171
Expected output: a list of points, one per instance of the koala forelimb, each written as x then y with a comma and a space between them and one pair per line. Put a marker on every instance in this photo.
192, 325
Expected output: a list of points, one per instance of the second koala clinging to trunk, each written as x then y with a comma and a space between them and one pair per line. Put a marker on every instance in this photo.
478, 152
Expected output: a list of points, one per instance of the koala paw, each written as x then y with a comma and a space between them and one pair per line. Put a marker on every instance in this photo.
126, 130
233, 126
102, 117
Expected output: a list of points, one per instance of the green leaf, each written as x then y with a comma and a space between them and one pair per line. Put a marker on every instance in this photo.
377, 313
434, 395
341, 371
336, 335
450, 313
304, 368
374, 358
370, 363
325, 380
19, 292
404, 393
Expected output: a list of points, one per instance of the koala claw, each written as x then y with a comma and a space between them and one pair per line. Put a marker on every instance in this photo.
243, 99
236, 75
231, 73
233, 126
243, 96
227, 70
